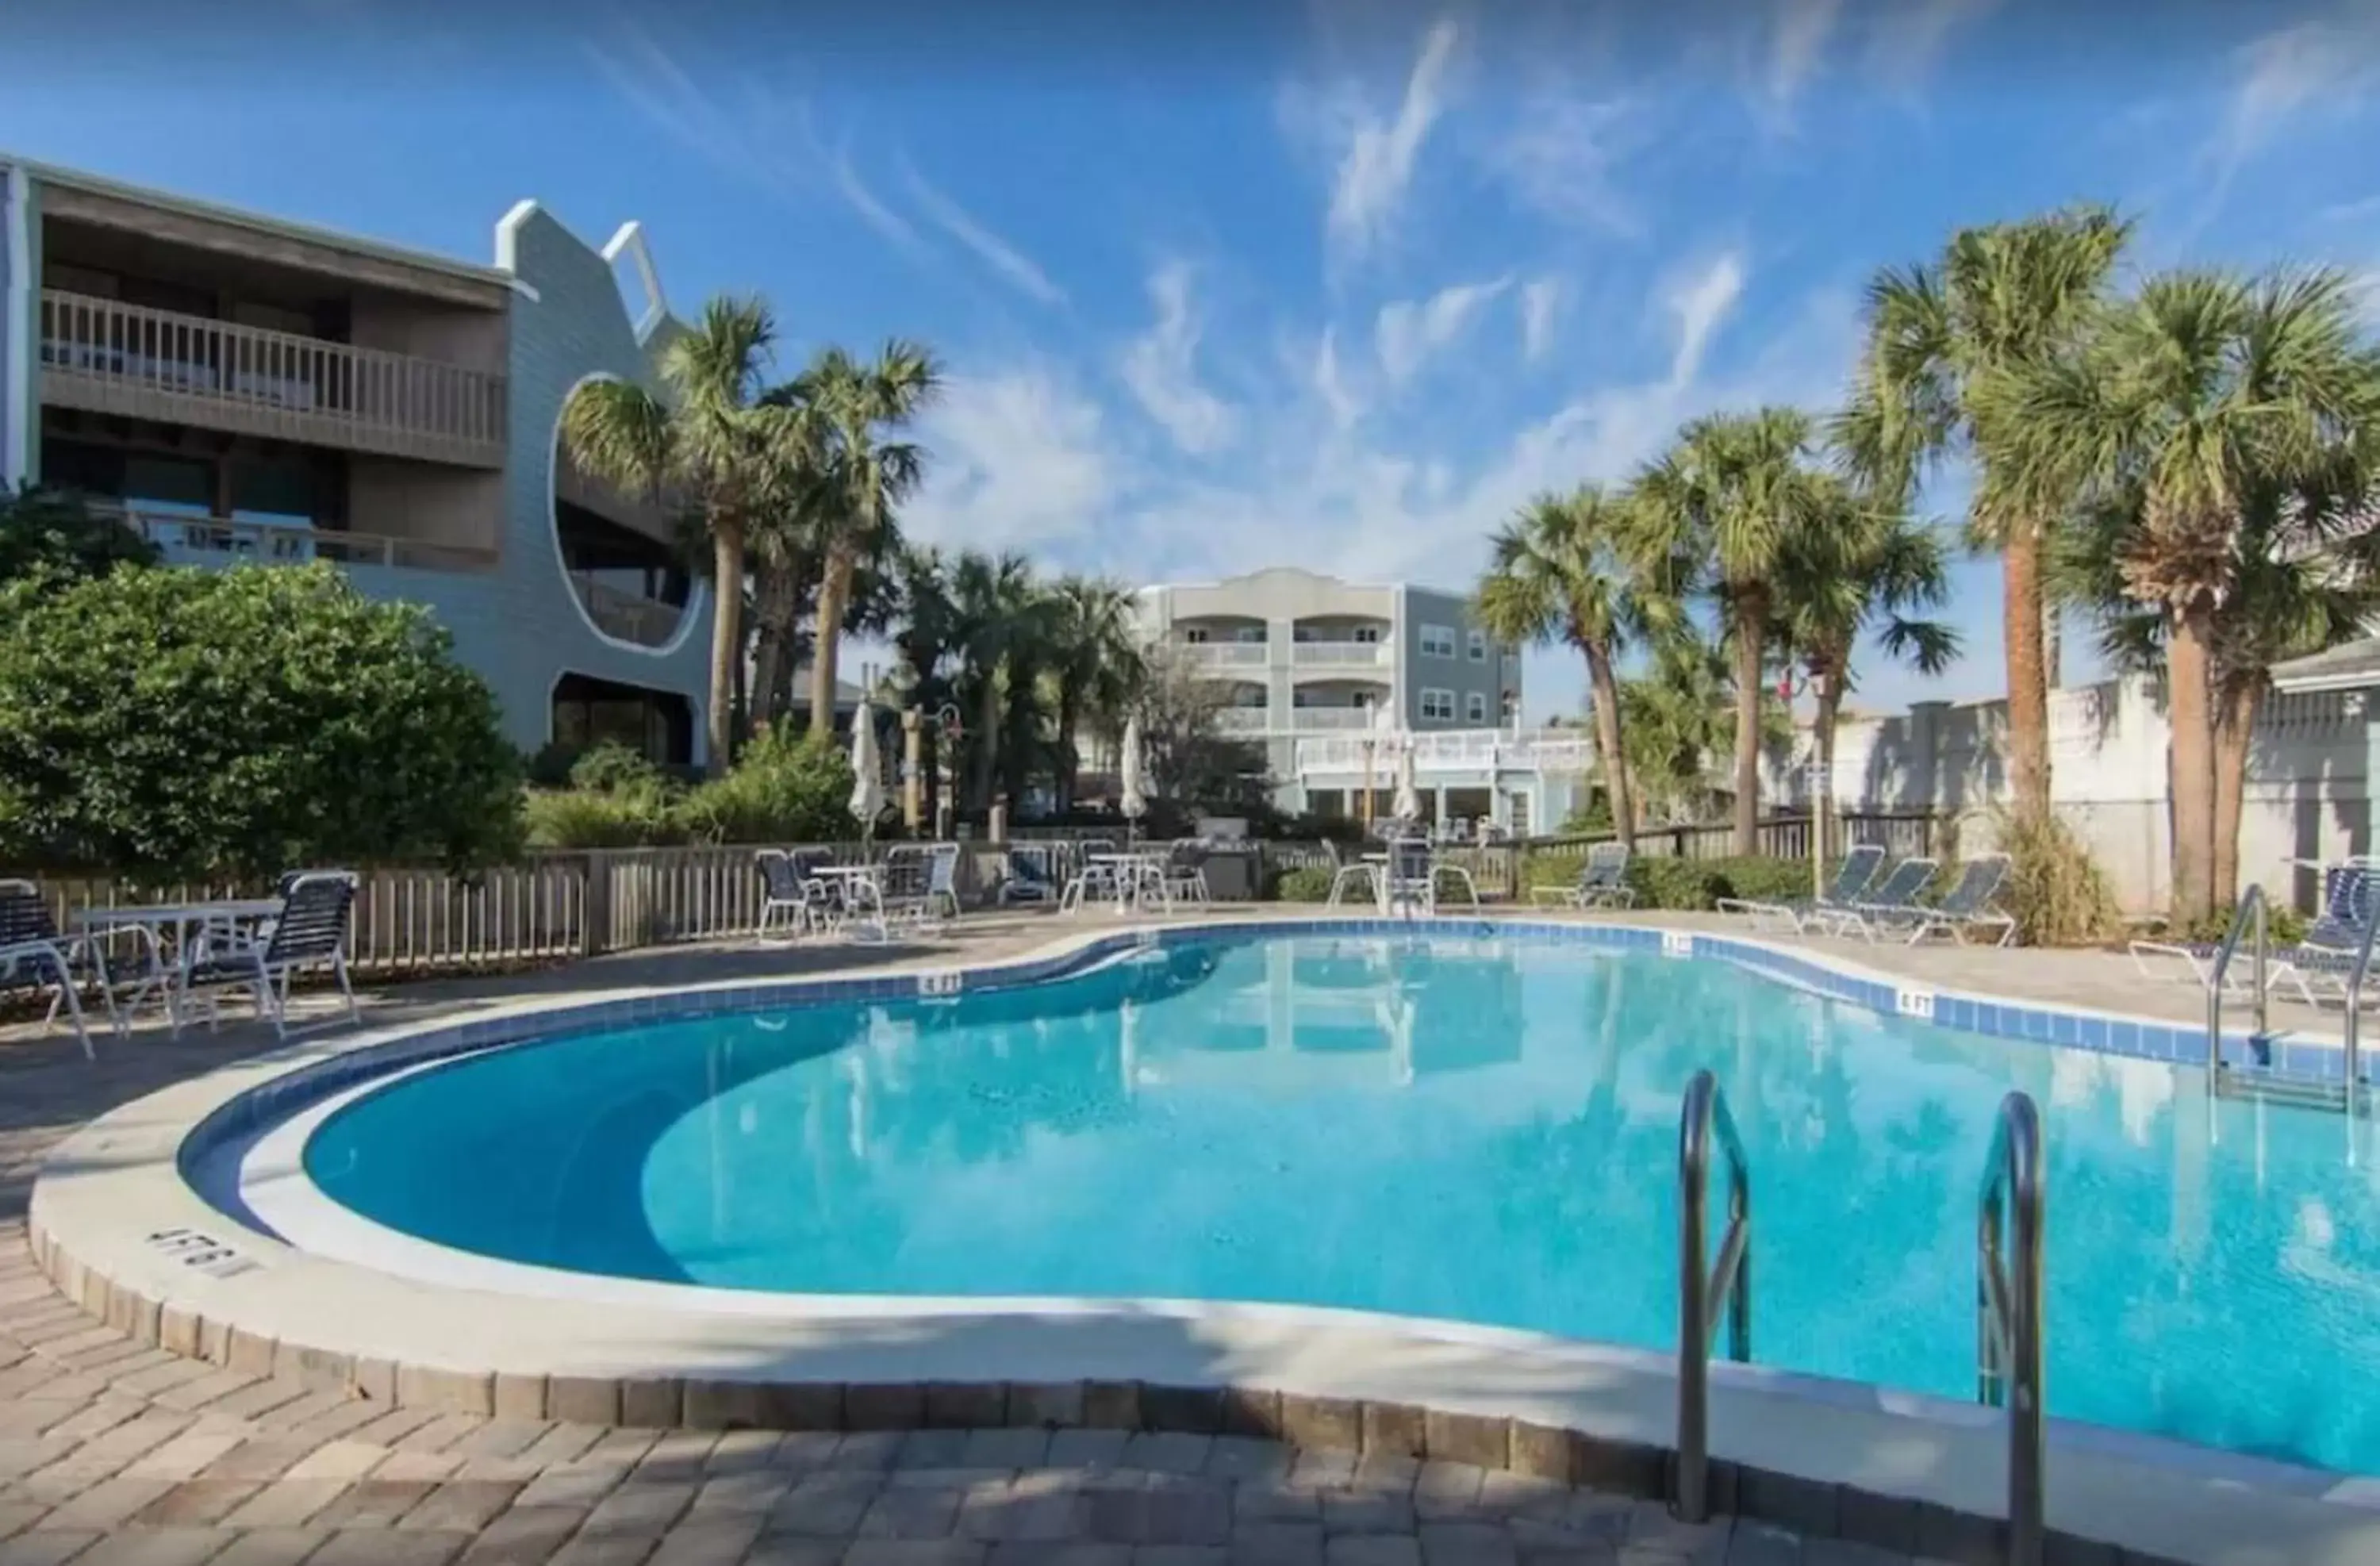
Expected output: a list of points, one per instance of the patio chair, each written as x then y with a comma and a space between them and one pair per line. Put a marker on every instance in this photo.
1411, 880
1852, 878
911, 887
2316, 968
787, 894
1893, 901
1090, 880
1966, 906
1348, 874
1030, 874
1602, 882
1185, 872
33, 952
309, 929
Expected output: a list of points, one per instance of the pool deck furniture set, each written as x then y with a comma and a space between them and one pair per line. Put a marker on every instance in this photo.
184, 956
2318, 966
1403, 876
1867, 900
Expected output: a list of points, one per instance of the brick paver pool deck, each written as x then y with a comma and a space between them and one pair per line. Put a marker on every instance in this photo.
112, 1452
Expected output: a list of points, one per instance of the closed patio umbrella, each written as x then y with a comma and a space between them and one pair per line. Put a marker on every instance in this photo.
1134, 803
1406, 806
867, 774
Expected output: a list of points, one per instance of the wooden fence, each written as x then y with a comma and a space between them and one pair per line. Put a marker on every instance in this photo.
555, 905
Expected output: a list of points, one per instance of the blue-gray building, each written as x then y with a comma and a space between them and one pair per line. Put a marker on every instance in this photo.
250, 389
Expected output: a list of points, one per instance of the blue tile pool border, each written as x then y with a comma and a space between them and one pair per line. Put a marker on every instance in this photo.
2058, 1028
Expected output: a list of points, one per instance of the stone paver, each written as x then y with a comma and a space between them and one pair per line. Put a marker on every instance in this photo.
112, 1455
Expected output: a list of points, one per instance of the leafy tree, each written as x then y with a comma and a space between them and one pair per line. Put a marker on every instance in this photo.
1188, 760
1679, 722
202, 724
2204, 440
706, 440
53, 532
1559, 574
1860, 572
927, 638
1718, 514
1999, 298
998, 611
862, 478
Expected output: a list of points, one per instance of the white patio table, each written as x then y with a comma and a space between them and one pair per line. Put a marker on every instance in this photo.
181, 921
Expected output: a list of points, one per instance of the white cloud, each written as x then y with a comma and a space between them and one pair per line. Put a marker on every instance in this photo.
1018, 269
1560, 157
1330, 385
1376, 165
2288, 70
1702, 301
1160, 369
1541, 303
1906, 39
1015, 459
1796, 47
1408, 333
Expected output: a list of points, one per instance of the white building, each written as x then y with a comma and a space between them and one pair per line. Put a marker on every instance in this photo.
1334, 677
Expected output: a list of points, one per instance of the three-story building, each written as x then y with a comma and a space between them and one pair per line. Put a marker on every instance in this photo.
247, 389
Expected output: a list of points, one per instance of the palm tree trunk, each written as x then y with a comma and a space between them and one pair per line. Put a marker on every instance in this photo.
2237, 709
2193, 772
1749, 615
1822, 735
726, 639
834, 599
2028, 688
776, 605
987, 756
1607, 739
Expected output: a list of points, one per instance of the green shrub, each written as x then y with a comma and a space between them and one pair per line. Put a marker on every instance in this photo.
784, 788
1686, 884
2056, 893
1309, 884
54, 534
193, 724
586, 818
610, 767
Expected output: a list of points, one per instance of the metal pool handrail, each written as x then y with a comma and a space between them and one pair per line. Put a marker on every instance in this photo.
2007, 1310
2355, 977
1703, 1295
2251, 902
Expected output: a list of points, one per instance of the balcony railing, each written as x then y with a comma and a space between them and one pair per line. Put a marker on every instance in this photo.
1226, 654
111, 357
1457, 750
1330, 717
1358, 654
1243, 720
631, 617
185, 539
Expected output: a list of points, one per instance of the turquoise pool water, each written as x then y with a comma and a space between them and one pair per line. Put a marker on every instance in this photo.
1477, 1129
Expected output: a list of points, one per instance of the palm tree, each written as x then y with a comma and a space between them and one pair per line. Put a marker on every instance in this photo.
2000, 298
1097, 663
993, 595
1679, 718
1719, 514
865, 479
927, 639
2213, 445
704, 440
1558, 574
1858, 574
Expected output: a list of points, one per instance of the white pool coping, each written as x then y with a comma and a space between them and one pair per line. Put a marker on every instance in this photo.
354, 1290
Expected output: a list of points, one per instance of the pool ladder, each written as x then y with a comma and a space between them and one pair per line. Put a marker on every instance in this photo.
2251, 916
2007, 1298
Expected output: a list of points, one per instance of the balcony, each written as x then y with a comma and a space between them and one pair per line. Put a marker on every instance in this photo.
1459, 750
1225, 654
103, 356
1339, 654
1242, 721
626, 617
185, 539
1332, 717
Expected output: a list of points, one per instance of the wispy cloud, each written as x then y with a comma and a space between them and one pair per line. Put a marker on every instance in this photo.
2282, 75
1562, 159
1019, 269
1701, 299
1160, 369
1018, 457
1906, 39
1376, 168
1541, 303
1409, 333
1797, 44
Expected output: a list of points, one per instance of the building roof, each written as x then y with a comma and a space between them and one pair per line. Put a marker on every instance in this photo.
2351, 666
98, 185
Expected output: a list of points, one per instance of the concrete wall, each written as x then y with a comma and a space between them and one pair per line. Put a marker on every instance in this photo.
1486, 678
460, 506
474, 339
2308, 793
20, 272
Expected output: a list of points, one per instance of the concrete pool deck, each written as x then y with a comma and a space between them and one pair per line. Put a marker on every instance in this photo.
1902, 1480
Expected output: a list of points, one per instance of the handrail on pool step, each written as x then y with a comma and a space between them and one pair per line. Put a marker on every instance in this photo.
2008, 1311
1702, 1294
2251, 904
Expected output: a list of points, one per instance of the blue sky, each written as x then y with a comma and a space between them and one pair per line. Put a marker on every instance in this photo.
1328, 283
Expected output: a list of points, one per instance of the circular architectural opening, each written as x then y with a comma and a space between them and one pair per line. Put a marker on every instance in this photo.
620, 557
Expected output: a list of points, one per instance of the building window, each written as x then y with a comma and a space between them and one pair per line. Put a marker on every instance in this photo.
1479, 647
1246, 635
1195, 636
1438, 641
1474, 707
1367, 635
1438, 705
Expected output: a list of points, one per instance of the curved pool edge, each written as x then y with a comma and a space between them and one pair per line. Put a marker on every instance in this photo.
1899, 1471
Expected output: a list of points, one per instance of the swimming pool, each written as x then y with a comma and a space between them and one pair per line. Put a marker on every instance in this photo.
1472, 1127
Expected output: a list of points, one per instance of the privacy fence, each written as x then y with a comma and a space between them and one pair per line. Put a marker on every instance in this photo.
558, 905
